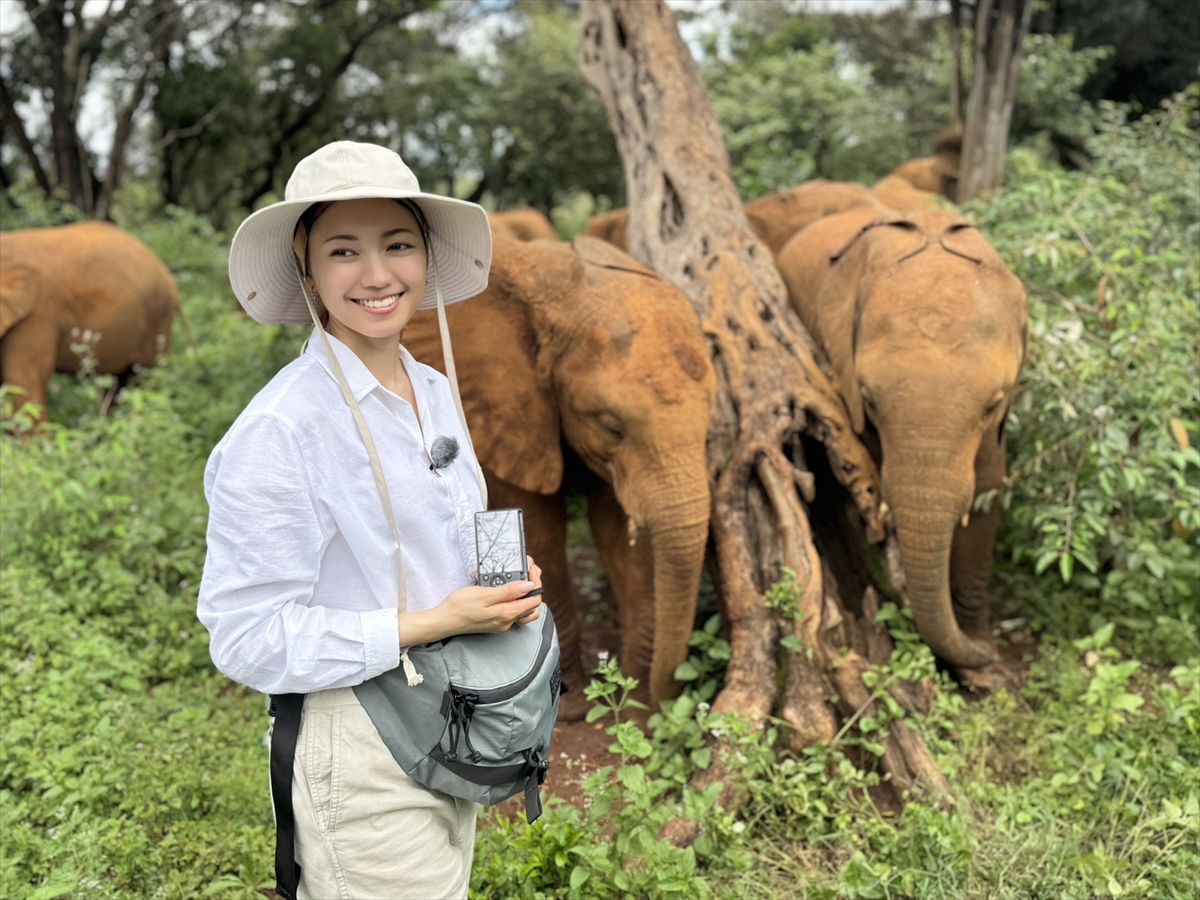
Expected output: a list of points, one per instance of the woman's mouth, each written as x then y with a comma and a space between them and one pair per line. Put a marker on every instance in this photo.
378, 304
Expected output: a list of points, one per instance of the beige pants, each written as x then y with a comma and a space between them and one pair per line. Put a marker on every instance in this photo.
364, 829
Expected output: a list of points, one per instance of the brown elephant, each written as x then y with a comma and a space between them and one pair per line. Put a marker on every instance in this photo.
89, 282
937, 174
612, 226
582, 369
776, 217
926, 330
898, 194
524, 224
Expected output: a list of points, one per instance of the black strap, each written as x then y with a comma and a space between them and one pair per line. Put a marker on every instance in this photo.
532, 772
286, 710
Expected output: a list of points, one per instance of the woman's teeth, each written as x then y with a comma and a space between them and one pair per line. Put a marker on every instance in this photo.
382, 303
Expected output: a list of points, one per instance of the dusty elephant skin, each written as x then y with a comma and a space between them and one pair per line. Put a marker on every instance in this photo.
926, 330
57, 284
578, 360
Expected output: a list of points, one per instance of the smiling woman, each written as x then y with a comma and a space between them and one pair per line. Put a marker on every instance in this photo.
308, 592
366, 262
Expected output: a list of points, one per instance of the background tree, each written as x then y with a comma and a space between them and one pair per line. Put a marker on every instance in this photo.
267, 87
686, 221
58, 56
1000, 27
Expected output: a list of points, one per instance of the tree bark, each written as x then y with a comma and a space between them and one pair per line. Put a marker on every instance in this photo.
1000, 28
686, 221
956, 79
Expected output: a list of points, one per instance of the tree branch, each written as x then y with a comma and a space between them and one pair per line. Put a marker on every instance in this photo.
9, 109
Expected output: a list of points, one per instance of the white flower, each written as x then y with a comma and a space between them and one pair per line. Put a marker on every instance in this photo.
602, 656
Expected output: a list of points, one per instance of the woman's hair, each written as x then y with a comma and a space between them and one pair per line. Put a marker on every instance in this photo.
309, 217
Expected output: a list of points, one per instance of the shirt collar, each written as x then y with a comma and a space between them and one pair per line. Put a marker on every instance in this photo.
358, 376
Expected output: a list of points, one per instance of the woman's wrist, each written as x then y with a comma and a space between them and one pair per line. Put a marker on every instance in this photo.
422, 627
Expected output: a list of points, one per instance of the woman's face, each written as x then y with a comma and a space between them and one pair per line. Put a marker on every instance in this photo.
367, 261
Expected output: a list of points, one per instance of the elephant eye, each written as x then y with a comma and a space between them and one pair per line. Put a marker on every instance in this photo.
993, 405
611, 426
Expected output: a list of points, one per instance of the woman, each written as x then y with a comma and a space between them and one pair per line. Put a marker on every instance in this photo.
302, 588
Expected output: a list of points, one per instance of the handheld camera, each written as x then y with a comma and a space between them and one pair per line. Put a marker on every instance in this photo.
500, 547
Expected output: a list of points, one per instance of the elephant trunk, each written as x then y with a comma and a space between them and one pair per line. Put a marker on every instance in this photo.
927, 508
679, 535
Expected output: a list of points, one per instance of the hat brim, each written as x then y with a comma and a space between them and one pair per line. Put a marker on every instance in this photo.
264, 277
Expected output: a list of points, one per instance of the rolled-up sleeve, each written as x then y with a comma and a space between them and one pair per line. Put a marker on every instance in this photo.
266, 538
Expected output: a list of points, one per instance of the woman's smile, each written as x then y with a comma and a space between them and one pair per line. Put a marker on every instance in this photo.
379, 305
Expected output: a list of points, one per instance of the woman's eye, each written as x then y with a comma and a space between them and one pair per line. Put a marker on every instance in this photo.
342, 251
400, 245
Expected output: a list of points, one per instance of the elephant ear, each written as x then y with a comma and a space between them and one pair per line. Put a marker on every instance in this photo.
18, 294
602, 253
847, 288
508, 400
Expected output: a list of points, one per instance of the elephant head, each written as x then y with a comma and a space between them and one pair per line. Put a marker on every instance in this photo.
926, 330
580, 344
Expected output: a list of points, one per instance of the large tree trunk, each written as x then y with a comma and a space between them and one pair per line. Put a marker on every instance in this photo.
687, 222
1000, 28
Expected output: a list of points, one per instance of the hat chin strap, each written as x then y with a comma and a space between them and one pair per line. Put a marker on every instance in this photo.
298, 247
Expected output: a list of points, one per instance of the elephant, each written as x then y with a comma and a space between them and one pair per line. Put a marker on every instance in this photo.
937, 174
581, 369
775, 218
524, 224
899, 194
612, 226
925, 329
88, 282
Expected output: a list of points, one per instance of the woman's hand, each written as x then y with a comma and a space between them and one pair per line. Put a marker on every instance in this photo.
474, 609
535, 576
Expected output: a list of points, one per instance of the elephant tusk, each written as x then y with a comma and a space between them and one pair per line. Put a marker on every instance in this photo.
966, 519
633, 533
884, 509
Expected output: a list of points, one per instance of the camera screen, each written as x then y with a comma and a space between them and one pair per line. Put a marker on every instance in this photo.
498, 541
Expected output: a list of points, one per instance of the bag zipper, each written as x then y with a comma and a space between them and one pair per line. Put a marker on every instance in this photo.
508, 691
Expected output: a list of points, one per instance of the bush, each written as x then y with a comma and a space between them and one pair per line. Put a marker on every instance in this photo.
1103, 456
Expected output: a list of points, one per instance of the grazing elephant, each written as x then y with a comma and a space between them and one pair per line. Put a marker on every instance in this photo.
936, 174
59, 284
926, 330
524, 224
581, 368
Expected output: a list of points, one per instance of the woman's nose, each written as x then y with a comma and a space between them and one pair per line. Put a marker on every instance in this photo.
376, 273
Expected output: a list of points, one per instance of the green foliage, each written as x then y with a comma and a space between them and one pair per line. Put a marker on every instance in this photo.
800, 114
1104, 471
129, 767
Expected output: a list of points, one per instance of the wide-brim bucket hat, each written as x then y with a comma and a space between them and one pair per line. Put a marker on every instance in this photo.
261, 267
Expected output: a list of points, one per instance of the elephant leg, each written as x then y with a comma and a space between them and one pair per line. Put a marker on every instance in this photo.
546, 542
28, 353
971, 552
631, 574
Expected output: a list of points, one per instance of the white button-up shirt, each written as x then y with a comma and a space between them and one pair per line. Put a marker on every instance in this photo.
301, 584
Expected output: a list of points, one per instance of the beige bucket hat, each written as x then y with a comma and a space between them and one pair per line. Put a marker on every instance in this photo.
261, 267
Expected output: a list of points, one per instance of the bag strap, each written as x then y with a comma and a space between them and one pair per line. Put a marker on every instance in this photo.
414, 678
286, 710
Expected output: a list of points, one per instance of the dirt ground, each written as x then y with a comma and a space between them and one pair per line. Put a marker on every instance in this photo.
579, 748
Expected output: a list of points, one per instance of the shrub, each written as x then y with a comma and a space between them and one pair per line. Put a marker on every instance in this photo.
1103, 456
